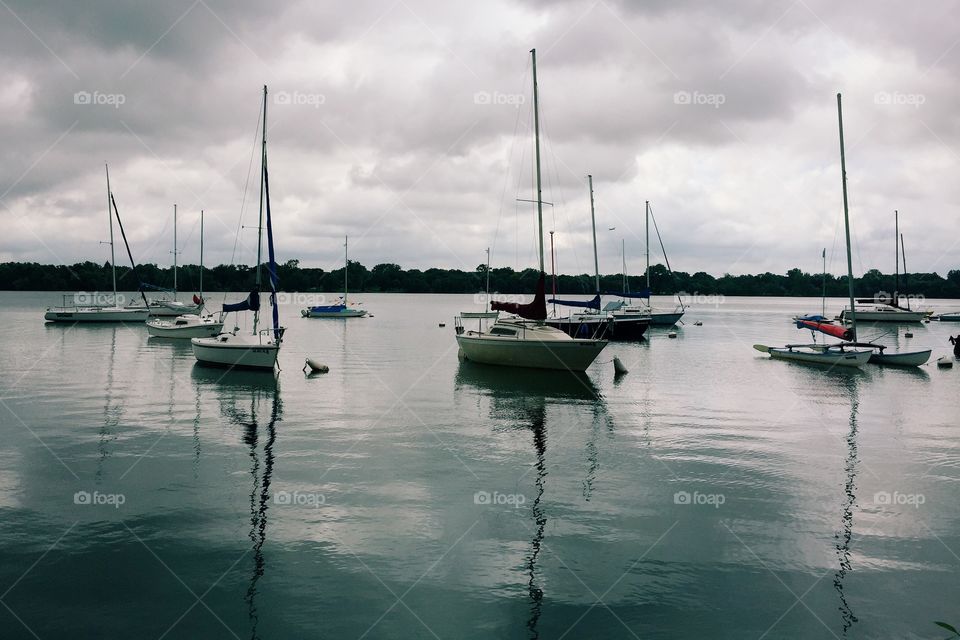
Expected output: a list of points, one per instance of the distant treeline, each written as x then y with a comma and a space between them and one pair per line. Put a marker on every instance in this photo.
89, 276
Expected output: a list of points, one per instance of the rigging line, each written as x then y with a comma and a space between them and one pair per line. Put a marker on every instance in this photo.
506, 174
246, 184
655, 228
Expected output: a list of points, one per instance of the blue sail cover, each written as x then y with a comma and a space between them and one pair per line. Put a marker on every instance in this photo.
252, 303
589, 304
272, 263
330, 308
643, 293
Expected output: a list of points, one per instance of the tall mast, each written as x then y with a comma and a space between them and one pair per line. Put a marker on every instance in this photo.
593, 223
174, 251
346, 268
823, 297
896, 246
623, 257
647, 209
113, 259
846, 222
487, 305
201, 254
536, 138
263, 164
553, 272
903, 254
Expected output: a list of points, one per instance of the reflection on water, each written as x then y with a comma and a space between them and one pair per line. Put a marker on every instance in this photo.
243, 395
846, 519
111, 413
521, 398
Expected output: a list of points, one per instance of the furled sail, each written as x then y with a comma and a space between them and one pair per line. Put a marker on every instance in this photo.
536, 310
821, 324
589, 304
252, 303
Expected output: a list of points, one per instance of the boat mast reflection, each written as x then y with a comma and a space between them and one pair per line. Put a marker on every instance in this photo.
842, 537
522, 400
235, 389
111, 413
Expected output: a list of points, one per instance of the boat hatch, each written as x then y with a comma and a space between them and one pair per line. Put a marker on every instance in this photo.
502, 331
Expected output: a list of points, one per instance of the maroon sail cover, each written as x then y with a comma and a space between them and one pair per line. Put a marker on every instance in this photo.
834, 330
536, 310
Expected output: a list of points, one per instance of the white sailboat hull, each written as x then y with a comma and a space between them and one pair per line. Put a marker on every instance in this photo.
229, 350
536, 347
346, 313
884, 315
95, 314
831, 357
184, 327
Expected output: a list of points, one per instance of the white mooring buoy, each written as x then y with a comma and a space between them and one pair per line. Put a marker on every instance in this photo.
315, 367
618, 367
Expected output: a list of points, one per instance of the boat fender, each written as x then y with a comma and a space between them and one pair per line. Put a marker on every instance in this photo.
315, 367
618, 367
672, 334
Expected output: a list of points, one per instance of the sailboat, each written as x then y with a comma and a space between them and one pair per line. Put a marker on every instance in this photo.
880, 310
486, 314
114, 312
596, 322
188, 325
524, 340
175, 307
841, 354
260, 348
342, 309
657, 317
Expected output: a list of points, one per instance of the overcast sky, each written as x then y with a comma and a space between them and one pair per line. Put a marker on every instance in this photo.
407, 126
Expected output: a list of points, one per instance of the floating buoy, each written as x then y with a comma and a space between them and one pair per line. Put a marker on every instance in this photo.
908, 335
618, 367
944, 362
315, 367
698, 324
672, 334
442, 325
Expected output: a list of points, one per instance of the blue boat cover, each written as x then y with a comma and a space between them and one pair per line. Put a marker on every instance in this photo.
589, 304
644, 293
330, 308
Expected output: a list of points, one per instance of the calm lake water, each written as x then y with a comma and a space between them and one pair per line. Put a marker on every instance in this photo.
709, 493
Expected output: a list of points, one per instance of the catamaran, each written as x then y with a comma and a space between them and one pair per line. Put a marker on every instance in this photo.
342, 309
188, 325
841, 354
259, 349
95, 313
524, 340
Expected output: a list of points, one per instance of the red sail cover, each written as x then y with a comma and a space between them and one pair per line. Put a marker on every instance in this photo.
536, 310
834, 330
